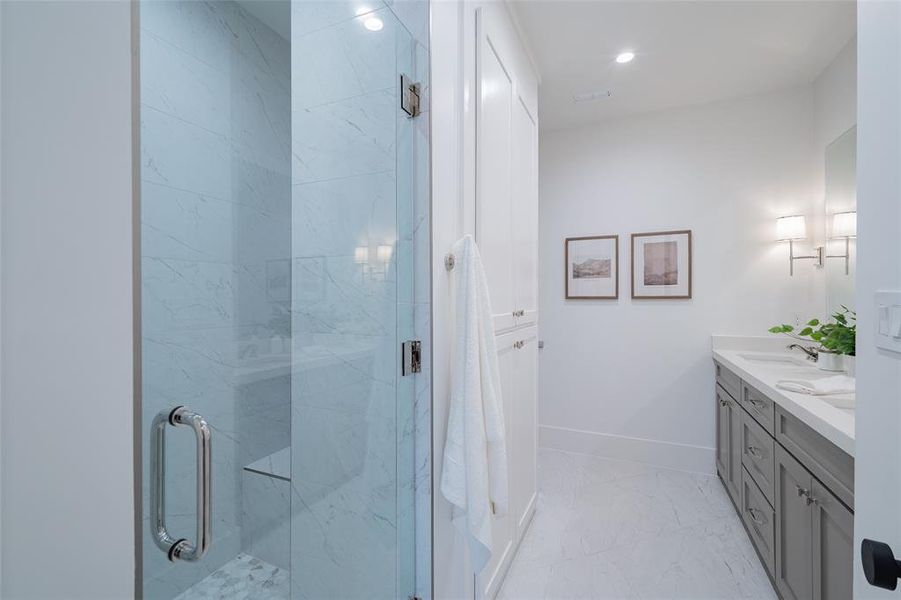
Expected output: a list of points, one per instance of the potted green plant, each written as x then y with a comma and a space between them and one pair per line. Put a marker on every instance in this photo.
836, 340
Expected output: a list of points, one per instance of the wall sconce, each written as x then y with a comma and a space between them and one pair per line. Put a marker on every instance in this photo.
844, 226
376, 267
383, 253
790, 229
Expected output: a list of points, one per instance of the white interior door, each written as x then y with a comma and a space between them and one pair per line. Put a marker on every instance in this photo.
493, 170
503, 527
525, 212
877, 486
524, 446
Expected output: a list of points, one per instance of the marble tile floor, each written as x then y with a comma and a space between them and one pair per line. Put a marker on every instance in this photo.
616, 529
242, 578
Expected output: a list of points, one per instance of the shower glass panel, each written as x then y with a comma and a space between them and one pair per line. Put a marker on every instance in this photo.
284, 209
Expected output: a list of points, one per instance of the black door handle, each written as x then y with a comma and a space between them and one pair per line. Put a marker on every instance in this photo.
879, 564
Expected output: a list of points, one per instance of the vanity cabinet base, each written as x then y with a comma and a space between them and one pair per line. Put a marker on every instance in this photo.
792, 490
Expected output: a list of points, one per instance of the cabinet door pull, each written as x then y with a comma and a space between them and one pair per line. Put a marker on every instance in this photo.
755, 451
756, 402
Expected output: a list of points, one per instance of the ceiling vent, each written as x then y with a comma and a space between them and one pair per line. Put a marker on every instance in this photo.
592, 96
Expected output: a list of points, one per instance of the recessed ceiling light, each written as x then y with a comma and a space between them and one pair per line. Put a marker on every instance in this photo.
624, 57
373, 24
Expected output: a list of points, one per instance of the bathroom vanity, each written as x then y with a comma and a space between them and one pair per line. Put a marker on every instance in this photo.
787, 463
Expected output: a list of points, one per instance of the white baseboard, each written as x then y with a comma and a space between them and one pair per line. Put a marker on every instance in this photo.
663, 454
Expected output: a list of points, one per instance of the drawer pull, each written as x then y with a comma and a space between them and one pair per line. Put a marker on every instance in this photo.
755, 452
811, 500
757, 403
754, 512
802, 491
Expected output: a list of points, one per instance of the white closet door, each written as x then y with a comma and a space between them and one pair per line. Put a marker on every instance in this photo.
523, 448
503, 529
525, 213
493, 170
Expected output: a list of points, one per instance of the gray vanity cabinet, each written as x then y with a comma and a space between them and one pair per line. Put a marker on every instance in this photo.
833, 545
792, 488
728, 443
794, 529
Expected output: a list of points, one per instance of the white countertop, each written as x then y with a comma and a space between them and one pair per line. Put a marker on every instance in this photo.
827, 416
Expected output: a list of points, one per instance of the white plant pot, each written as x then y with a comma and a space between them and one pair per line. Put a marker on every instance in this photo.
851, 365
830, 361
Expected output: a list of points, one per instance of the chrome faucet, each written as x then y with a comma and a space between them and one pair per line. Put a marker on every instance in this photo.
812, 353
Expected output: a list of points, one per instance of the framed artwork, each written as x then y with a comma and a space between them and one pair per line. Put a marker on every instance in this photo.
592, 267
661, 265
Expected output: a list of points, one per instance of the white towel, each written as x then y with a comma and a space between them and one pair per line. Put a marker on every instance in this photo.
474, 478
827, 386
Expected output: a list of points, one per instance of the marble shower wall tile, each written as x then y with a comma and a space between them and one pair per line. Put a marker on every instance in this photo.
343, 60
348, 137
333, 217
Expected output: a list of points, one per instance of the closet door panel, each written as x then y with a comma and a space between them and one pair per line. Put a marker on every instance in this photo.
524, 458
503, 529
493, 171
525, 213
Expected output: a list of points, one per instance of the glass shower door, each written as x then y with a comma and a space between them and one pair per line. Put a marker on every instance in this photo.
352, 443
277, 224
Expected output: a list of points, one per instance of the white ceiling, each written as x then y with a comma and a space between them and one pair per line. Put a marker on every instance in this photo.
687, 52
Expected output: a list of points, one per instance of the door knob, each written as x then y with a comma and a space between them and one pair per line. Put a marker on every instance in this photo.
879, 564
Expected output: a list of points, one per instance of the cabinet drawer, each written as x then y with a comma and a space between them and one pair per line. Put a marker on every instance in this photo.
759, 518
728, 380
760, 407
828, 463
757, 454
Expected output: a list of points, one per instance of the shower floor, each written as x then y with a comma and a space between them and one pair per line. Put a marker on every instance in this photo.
242, 577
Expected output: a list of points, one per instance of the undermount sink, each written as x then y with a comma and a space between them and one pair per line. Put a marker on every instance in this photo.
775, 359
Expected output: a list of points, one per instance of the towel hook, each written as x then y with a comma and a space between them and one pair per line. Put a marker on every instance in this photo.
450, 261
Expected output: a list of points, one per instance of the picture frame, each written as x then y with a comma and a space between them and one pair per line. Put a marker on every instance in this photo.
591, 266
661, 265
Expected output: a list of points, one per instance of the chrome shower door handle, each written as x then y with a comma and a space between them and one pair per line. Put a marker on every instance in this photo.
180, 549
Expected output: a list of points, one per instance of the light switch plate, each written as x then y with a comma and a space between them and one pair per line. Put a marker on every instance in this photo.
888, 321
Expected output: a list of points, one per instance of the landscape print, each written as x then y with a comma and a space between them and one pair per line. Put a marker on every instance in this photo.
591, 267
661, 263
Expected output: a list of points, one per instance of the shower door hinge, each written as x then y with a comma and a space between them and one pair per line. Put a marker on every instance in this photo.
411, 357
409, 96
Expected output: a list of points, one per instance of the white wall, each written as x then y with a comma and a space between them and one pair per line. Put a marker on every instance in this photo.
835, 97
67, 437
633, 378
877, 489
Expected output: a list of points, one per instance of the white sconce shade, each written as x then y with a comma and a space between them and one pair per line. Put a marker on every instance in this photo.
844, 224
791, 228
383, 253
361, 255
